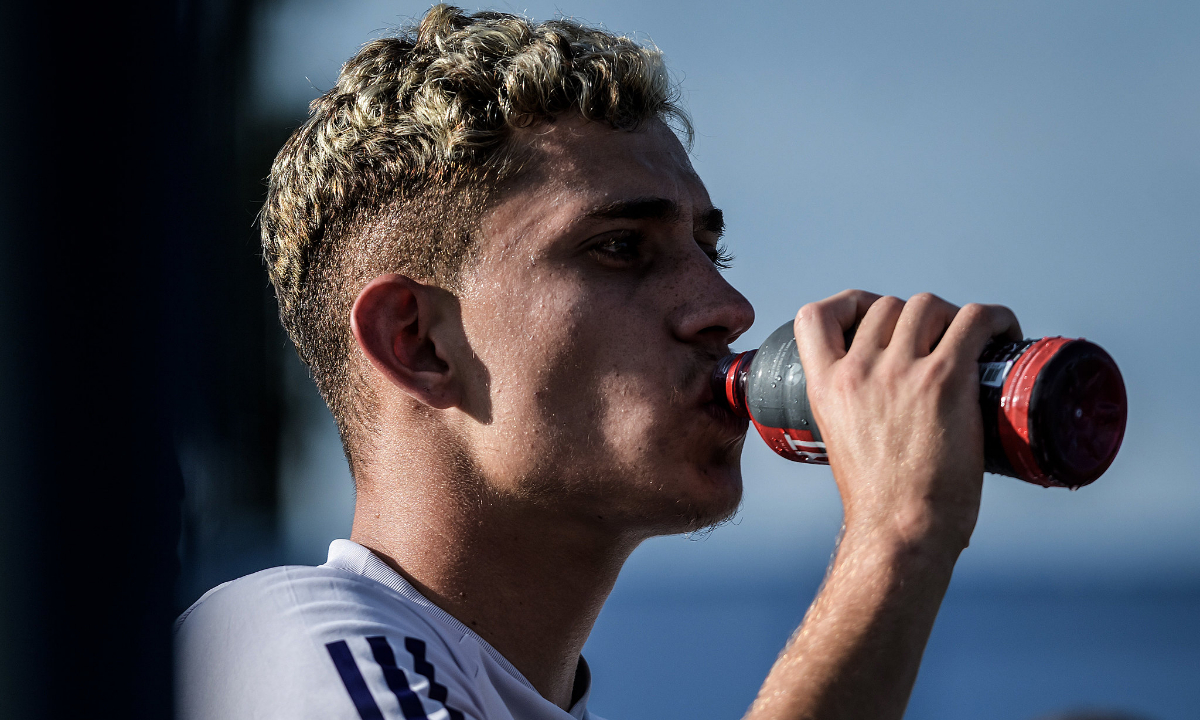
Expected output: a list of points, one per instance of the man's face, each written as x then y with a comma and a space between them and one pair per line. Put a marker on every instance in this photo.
598, 314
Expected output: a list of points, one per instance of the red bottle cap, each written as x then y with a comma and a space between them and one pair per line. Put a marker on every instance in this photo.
1062, 412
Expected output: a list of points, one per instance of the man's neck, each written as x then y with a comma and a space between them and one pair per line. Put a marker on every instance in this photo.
529, 583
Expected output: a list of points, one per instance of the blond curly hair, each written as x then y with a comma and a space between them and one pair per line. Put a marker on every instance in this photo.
396, 164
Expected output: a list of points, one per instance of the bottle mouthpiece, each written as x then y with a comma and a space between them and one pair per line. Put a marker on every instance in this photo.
729, 382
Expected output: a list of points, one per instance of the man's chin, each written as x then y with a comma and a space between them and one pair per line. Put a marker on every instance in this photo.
715, 500
705, 519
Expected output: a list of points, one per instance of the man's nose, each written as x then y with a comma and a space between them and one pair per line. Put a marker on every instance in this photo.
714, 312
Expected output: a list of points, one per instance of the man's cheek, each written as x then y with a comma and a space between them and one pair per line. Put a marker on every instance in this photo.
626, 422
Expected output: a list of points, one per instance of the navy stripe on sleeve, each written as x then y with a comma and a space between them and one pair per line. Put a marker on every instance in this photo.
343, 660
437, 691
410, 704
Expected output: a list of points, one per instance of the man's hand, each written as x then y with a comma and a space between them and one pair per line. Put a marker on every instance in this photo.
899, 414
899, 411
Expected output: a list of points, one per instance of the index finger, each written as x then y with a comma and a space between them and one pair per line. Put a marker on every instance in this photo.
820, 327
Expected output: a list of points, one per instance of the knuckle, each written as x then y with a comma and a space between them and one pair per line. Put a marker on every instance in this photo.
861, 298
851, 373
891, 302
942, 366
940, 372
854, 365
892, 371
808, 313
977, 313
925, 299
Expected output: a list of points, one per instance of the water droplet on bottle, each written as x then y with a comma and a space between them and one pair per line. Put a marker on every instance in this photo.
772, 384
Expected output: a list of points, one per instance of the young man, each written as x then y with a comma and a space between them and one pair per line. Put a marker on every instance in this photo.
492, 251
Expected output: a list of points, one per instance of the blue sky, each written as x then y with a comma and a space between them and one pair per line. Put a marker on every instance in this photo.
1041, 155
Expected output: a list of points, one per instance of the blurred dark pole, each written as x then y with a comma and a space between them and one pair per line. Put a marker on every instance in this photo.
131, 325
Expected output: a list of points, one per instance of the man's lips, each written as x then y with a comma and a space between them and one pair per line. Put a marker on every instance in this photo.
717, 408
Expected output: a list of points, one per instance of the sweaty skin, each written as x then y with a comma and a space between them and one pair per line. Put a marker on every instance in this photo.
535, 426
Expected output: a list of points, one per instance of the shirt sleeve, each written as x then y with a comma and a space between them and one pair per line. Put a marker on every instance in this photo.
301, 644
394, 676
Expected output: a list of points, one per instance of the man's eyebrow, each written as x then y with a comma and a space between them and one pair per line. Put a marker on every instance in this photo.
647, 208
657, 208
712, 220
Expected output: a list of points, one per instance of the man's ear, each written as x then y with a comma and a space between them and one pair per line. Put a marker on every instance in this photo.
394, 320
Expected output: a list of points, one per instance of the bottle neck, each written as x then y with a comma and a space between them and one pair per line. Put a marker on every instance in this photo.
729, 381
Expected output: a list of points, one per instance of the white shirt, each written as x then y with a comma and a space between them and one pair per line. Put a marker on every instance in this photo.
348, 639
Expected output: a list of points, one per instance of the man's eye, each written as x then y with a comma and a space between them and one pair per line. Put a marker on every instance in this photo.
720, 256
623, 247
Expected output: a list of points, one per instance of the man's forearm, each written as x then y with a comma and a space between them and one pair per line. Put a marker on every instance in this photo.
857, 652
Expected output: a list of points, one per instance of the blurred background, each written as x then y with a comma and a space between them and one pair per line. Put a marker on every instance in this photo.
1043, 156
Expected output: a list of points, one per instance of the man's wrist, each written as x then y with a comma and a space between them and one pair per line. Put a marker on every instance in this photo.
922, 544
931, 521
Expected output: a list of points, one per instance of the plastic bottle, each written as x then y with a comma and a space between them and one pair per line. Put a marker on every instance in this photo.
1054, 409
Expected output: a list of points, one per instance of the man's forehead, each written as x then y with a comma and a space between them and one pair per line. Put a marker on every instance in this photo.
573, 142
592, 157
580, 170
